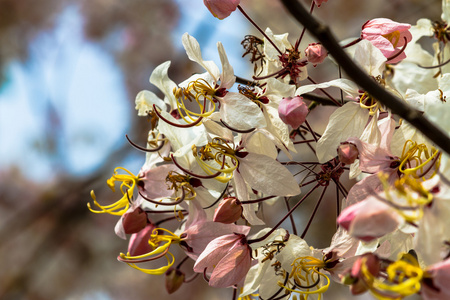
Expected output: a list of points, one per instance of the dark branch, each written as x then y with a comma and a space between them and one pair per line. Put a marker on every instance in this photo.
397, 106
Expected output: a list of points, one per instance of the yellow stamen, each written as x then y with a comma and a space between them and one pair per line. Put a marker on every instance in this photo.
413, 156
393, 37
403, 279
195, 90
222, 154
179, 181
373, 107
407, 196
303, 269
119, 207
160, 243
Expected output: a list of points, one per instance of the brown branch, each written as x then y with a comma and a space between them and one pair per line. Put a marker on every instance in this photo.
397, 106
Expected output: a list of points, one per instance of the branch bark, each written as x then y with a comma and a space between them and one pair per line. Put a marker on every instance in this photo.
396, 105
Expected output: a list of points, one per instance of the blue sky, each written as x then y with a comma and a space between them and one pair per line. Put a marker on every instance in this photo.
84, 86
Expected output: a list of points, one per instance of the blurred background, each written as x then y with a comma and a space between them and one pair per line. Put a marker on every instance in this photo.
69, 74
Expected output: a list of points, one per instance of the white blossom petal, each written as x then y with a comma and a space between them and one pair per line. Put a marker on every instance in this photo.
268, 176
194, 53
347, 121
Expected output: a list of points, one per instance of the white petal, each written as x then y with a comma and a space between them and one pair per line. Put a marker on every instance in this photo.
295, 247
370, 58
268, 176
145, 100
241, 113
160, 79
347, 86
227, 78
347, 121
446, 11
217, 129
195, 54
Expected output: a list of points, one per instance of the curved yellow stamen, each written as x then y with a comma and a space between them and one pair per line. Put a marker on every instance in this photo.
160, 243
222, 154
194, 91
159, 271
407, 196
403, 279
303, 269
413, 153
393, 37
373, 107
127, 186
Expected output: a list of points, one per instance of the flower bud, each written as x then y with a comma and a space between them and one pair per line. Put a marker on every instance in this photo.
372, 263
347, 153
174, 279
316, 53
319, 2
221, 8
134, 221
369, 219
138, 243
293, 111
229, 211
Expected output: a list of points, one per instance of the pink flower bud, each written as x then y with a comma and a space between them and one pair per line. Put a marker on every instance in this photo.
347, 153
229, 211
369, 219
316, 53
293, 111
221, 8
174, 280
372, 263
388, 36
319, 2
138, 243
134, 221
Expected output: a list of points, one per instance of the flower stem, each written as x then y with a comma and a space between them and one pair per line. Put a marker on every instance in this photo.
314, 212
284, 218
258, 28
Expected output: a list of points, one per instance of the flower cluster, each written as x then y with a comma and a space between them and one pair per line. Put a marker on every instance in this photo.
220, 148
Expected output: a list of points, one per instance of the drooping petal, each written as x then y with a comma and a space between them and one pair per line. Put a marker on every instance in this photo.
232, 268
194, 53
347, 121
241, 113
268, 176
214, 252
144, 102
227, 78
161, 80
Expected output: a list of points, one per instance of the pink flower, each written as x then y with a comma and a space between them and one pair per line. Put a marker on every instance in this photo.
152, 181
293, 111
316, 53
228, 258
388, 36
221, 8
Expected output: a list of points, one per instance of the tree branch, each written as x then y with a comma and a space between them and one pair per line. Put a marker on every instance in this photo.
396, 105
